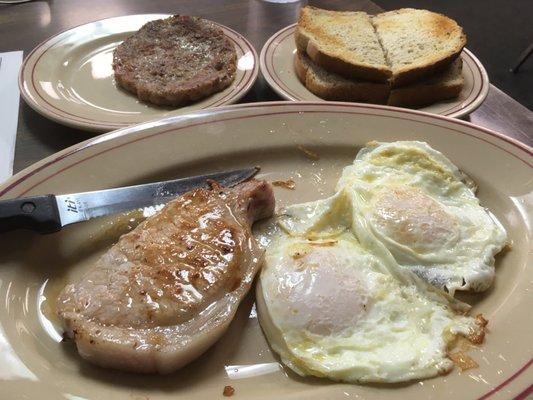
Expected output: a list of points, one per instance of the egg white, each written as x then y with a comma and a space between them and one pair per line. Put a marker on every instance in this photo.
358, 287
333, 302
418, 204
330, 308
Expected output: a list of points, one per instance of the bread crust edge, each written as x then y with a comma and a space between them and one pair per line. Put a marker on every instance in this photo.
338, 65
365, 92
414, 96
419, 96
416, 74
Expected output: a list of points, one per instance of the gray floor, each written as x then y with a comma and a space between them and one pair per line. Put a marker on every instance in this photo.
497, 32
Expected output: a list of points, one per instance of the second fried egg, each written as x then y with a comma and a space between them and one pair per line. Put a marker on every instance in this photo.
418, 204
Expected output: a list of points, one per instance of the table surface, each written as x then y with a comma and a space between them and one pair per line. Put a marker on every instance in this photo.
24, 26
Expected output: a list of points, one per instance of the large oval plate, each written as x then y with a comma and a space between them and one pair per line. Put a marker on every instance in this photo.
69, 77
34, 362
277, 58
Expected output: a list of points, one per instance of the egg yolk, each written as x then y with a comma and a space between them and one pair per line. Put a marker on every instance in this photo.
413, 219
320, 291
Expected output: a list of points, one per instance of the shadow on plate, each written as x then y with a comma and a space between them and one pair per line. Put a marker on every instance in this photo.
211, 363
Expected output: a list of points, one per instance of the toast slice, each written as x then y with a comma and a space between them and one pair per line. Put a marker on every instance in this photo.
330, 86
343, 42
417, 43
399, 47
334, 87
442, 86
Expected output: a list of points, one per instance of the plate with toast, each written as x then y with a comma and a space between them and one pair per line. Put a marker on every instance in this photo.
404, 58
120, 71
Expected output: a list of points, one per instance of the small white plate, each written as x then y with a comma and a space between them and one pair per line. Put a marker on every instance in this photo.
69, 77
277, 57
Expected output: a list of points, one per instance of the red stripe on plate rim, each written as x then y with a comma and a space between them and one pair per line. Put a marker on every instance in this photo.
401, 115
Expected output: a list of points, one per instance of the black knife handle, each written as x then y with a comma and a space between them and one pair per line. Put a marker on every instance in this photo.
39, 214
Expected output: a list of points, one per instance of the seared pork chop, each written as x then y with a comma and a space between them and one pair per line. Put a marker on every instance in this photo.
175, 61
169, 288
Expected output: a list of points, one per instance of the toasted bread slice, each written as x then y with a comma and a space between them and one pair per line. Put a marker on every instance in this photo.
343, 42
442, 86
418, 43
331, 86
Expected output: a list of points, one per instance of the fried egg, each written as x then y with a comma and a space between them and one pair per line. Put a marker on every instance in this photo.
419, 205
334, 306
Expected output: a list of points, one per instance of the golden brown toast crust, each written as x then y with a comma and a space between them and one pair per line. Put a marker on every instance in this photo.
345, 90
438, 88
416, 95
443, 26
415, 74
332, 62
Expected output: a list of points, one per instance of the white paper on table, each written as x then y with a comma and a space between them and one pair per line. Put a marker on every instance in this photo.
9, 110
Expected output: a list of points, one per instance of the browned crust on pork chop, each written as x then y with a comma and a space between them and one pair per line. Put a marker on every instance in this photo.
175, 61
169, 289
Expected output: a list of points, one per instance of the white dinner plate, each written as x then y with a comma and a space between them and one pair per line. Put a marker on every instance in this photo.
69, 77
36, 364
277, 60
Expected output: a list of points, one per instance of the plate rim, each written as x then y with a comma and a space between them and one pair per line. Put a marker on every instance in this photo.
462, 112
21, 176
33, 99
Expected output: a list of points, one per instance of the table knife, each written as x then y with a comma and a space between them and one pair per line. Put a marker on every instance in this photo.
49, 213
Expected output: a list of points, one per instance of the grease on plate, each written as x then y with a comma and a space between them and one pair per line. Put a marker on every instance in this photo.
228, 391
309, 153
463, 360
286, 184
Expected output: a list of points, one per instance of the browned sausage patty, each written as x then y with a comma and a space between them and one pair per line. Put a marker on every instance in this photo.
175, 61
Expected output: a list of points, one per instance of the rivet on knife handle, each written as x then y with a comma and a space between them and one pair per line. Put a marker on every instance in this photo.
38, 213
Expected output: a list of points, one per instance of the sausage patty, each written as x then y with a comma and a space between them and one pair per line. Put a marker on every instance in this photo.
175, 61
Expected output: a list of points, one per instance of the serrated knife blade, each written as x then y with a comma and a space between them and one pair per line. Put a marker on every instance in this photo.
50, 213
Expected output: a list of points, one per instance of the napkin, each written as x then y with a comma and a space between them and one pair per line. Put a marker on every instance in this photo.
9, 110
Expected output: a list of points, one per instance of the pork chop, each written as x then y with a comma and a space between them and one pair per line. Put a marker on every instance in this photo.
175, 61
169, 288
